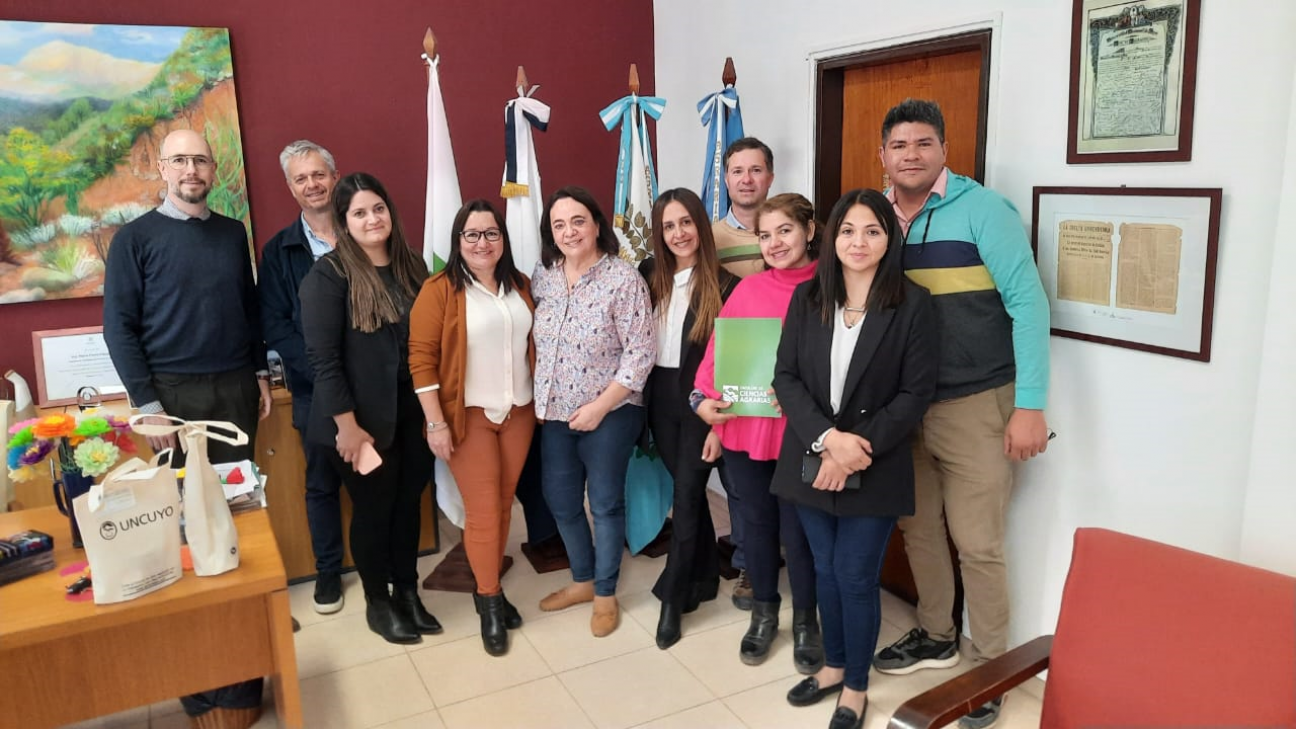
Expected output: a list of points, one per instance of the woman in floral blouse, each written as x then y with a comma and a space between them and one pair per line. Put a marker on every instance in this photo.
595, 346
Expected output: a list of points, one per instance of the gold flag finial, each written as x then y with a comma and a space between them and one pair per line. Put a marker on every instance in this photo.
634, 79
429, 44
522, 79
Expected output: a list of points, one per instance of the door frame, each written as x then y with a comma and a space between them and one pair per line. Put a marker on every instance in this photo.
827, 66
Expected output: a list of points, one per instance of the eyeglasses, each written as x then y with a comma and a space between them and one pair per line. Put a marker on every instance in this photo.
472, 236
181, 161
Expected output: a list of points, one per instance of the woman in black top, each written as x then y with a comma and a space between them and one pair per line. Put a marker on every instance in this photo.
856, 370
687, 287
355, 320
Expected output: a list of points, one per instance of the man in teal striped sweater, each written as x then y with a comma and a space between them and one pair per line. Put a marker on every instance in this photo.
966, 244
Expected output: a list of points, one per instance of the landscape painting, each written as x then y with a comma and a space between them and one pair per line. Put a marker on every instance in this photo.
83, 111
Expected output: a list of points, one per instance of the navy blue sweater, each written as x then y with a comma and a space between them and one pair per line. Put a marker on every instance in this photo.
179, 298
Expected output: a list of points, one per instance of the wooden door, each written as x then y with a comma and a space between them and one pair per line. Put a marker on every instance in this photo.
854, 94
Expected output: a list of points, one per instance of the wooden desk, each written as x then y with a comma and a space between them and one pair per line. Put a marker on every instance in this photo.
66, 661
279, 455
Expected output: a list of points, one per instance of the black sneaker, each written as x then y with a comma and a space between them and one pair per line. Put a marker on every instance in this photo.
983, 716
328, 593
916, 651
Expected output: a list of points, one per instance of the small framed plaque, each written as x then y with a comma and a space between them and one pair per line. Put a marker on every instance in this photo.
69, 360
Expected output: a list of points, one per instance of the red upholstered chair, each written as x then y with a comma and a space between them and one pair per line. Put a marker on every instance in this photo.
1149, 635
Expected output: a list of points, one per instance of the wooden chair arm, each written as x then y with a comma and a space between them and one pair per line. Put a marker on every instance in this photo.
959, 695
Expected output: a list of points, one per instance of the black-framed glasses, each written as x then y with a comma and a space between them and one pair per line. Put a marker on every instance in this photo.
492, 235
181, 161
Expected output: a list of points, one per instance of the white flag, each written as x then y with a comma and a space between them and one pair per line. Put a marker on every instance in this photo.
443, 202
521, 185
443, 199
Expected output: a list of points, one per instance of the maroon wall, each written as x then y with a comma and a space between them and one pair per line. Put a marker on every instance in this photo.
347, 75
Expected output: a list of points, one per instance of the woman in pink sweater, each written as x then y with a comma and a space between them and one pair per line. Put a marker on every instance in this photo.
785, 229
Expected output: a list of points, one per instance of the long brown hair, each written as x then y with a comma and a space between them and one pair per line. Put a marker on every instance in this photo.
887, 290
705, 300
372, 305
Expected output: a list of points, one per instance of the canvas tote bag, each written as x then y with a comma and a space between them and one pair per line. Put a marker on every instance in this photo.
130, 525
208, 525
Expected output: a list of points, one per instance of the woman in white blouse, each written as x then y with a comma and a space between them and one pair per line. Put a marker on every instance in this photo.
471, 357
687, 287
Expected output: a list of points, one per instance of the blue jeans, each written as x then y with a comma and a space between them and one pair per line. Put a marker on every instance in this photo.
572, 459
323, 509
848, 553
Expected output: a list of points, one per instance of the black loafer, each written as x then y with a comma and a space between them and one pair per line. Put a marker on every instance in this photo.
807, 692
844, 718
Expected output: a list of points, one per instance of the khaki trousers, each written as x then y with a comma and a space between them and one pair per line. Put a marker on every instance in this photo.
962, 474
486, 465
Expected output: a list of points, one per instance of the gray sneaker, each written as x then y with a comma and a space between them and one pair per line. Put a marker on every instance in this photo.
983, 716
914, 652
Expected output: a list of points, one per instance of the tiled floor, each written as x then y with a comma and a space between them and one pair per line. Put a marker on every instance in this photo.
556, 674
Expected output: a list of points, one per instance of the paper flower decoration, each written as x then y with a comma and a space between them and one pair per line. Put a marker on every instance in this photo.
95, 457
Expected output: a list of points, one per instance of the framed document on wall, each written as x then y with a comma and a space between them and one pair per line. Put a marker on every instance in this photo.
1130, 267
68, 360
1133, 80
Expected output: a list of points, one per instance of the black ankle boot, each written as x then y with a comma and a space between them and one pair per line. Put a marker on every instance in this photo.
385, 620
494, 632
760, 634
512, 618
807, 642
668, 625
406, 601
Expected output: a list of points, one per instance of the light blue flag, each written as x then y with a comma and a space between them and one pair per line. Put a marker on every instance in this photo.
722, 116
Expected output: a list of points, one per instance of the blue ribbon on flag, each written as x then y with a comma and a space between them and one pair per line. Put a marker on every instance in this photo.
722, 116
619, 112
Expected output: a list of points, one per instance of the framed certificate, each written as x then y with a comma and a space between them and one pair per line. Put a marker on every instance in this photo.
69, 360
1130, 267
1133, 81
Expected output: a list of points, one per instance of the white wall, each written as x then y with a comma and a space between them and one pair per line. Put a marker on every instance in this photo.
1268, 533
1155, 446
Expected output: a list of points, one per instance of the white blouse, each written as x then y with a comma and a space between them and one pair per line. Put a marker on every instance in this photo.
670, 324
843, 347
498, 376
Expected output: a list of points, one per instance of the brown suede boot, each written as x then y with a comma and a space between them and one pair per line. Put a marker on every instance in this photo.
606, 617
573, 594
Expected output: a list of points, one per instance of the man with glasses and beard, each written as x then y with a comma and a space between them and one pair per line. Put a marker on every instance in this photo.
181, 317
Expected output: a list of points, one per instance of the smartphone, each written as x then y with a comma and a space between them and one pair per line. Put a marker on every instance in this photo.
368, 460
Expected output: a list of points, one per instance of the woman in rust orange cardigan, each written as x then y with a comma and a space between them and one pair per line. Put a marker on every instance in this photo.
471, 356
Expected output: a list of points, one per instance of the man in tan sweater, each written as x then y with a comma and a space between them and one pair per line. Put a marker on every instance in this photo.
749, 172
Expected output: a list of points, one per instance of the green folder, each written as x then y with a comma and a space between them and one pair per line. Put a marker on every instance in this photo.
745, 350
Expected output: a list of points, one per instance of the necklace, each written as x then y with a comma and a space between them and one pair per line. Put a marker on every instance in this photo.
848, 310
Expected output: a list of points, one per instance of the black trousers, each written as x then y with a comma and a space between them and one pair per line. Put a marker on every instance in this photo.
232, 396
385, 503
692, 572
767, 521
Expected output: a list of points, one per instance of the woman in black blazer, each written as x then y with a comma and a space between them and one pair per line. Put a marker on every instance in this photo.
355, 320
856, 370
687, 287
